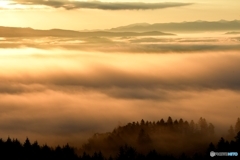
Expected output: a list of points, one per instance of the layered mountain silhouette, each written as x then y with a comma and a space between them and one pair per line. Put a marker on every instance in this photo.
139, 29
29, 32
195, 26
232, 32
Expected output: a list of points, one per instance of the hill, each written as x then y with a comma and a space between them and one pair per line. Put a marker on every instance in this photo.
29, 32
163, 136
196, 26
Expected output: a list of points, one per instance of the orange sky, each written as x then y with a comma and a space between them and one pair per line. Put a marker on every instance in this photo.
42, 16
59, 89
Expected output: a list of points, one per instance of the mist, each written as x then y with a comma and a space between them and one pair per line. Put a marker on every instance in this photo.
58, 90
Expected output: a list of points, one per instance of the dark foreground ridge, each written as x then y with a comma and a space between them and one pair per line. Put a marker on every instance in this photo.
14, 149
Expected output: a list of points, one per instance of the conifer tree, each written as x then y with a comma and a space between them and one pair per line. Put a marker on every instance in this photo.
237, 126
230, 134
169, 121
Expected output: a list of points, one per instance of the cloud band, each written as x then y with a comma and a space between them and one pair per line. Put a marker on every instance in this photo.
102, 5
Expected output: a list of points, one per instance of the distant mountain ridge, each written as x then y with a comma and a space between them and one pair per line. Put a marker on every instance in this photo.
194, 26
29, 32
232, 33
138, 29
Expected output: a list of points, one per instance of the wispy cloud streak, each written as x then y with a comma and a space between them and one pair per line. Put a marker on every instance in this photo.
102, 5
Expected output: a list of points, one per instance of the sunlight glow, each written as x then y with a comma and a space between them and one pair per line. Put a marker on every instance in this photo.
4, 4
11, 5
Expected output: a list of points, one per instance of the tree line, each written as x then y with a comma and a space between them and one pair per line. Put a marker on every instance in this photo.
14, 149
164, 136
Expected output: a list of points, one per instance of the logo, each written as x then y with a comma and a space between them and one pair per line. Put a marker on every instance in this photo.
212, 154
232, 153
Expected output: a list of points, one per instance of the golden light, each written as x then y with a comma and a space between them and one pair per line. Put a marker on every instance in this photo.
11, 5
4, 4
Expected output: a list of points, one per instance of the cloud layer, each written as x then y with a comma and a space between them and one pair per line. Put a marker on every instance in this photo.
102, 5
190, 74
65, 89
162, 44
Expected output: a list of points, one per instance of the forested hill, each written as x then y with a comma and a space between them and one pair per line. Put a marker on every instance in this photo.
168, 140
170, 136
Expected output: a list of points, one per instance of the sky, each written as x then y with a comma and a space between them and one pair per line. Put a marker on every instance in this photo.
80, 15
61, 87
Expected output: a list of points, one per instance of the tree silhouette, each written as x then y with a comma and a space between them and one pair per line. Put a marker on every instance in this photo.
237, 126
97, 156
85, 156
175, 122
198, 156
183, 157
27, 143
138, 138
203, 125
153, 155
231, 133
192, 126
143, 137
211, 129
181, 121
211, 147
162, 122
238, 138
169, 121
221, 144
126, 153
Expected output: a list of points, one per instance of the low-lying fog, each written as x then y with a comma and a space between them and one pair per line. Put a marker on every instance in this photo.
59, 90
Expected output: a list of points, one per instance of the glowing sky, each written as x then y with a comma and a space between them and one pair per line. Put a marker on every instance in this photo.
42, 15
59, 87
